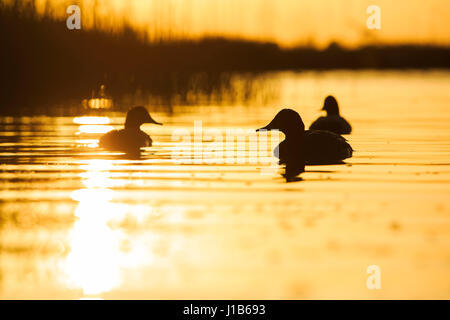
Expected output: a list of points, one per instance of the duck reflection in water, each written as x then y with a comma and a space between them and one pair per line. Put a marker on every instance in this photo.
130, 139
302, 147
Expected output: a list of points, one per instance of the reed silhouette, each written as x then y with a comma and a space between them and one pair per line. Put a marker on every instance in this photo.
45, 65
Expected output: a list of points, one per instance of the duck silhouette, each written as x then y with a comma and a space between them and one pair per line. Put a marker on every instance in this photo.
333, 121
130, 139
302, 147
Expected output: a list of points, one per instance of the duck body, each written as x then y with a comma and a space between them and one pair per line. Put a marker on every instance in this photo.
333, 121
305, 147
290, 153
130, 139
125, 140
317, 147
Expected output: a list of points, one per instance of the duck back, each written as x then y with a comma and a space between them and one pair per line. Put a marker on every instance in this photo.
125, 140
334, 123
325, 147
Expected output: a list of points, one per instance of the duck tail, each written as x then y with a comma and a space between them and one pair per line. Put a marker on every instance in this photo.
349, 151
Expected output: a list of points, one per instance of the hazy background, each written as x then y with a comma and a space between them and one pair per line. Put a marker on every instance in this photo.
175, 52
77, 221
288, 22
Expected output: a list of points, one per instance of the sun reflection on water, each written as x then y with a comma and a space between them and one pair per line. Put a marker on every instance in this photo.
93, 263
101, 245
94, 128
91, 120
107, 239
92, 125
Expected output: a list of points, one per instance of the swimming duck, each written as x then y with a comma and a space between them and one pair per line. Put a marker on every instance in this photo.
333, 121
302, 147
131, 138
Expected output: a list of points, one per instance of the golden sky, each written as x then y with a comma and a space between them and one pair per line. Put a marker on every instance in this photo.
287, 22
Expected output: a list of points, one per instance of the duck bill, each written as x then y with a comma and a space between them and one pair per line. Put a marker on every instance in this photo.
262, 129
266, 128
151, 120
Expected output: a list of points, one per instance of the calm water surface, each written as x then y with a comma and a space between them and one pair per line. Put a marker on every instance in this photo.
79, 222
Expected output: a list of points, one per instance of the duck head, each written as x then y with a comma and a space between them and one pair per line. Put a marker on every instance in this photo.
287, 121
138, 116
330, 105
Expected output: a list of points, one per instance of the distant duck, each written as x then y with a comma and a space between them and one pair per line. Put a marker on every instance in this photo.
302, 147
333, 121
131, 138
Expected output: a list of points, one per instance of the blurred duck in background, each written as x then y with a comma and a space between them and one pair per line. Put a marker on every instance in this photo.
333, 121
130, 139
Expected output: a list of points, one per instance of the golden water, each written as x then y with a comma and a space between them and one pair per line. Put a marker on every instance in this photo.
79, 222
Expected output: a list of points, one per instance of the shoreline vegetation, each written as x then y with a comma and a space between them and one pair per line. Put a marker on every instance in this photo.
44, 65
